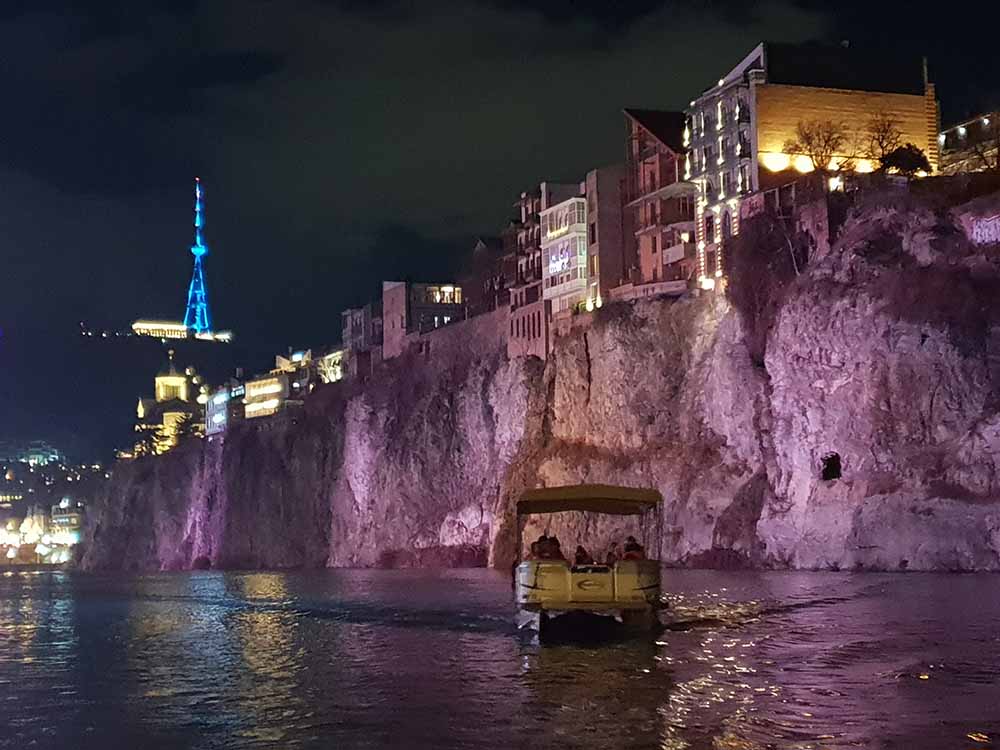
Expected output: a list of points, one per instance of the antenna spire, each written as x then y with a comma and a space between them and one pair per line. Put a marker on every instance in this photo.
197, 317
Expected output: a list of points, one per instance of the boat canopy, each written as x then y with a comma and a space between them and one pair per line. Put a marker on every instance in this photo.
593, 498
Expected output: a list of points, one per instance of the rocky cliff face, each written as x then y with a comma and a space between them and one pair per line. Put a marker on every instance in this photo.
884, 363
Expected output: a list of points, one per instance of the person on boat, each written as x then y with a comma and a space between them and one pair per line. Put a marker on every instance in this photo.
633, 550
555, 550
582, 557
612, 555
538, 548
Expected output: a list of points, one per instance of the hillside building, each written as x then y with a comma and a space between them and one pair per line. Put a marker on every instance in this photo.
736, 132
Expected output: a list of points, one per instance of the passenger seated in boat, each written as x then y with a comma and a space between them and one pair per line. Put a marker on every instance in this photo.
612, 555
555, 550
537, 549
582, 557
633, 550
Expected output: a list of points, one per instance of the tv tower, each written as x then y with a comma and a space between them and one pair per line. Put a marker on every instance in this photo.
197, 317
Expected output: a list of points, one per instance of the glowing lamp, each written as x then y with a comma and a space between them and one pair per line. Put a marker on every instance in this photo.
599, 302
774, 161
707, 283
803, 164
590, 304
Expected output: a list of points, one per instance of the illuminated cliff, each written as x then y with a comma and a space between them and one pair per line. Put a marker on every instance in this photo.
882, 365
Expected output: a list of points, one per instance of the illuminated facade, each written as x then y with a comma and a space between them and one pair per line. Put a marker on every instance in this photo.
972, 145
330, 366
175, 410
736, 131
160, 329
224, 408
660, 200
266, 395
33, 453
529, 310
409, 308
564, 254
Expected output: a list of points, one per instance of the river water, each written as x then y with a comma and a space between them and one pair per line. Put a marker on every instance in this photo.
416, 659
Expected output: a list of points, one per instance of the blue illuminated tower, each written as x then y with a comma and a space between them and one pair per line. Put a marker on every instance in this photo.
197, 317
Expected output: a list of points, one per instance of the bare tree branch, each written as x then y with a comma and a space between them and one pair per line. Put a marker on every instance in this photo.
819, 141
884, 137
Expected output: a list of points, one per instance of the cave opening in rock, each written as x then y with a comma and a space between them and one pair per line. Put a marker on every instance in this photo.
831, 466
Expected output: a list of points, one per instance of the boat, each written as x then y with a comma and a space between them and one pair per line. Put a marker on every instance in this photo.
553, 594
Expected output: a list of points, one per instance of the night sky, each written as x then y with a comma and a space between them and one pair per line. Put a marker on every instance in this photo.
340, 143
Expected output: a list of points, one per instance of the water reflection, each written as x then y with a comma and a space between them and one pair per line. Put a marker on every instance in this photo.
378, 659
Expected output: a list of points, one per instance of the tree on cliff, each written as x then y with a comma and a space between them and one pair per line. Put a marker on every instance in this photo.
187, 427
907, 160
145, 444
884, 137
819, 141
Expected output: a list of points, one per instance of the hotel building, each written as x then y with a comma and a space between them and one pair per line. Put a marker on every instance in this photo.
414, 308
736, 131
660, 203
582, 244
529, 310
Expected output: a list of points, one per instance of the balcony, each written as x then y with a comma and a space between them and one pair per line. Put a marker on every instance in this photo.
678, 252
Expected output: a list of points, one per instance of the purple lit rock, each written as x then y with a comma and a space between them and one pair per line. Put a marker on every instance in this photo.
886, 352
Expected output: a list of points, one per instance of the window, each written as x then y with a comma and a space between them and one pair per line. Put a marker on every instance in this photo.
592, 233
655, 241
727, 183
709, 228
709, 153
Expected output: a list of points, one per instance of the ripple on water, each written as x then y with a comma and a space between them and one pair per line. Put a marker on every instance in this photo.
382, 659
